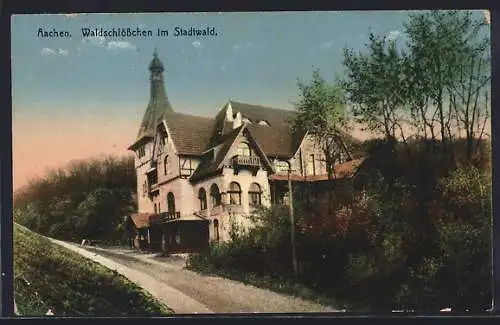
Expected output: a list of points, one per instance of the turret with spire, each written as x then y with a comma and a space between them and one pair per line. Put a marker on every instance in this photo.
159, 106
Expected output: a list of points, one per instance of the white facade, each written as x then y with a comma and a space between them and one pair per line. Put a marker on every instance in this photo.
178, 157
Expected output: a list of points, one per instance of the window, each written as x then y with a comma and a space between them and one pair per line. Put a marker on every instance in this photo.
141, 152
165, 165
255, 194
215, 195
234, 193
216, 230
186, 167
163, 139
202, 196
244, 149
171, 202
282, 166
311, 168
159, 210
144, 188
156, 209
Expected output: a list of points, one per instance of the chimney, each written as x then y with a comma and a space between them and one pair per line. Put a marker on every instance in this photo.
229, 112
237, 122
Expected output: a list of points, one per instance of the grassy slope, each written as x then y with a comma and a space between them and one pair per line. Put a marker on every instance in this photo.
49, 276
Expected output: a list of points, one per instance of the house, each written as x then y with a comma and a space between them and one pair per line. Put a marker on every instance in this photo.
197, 175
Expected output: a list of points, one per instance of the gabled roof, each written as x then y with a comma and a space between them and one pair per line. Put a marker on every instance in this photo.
275, 139
207, 167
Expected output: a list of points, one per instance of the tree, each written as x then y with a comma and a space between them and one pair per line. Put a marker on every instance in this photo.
376, 86
448, 68
321, 113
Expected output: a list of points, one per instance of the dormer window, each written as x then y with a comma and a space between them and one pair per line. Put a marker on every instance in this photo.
264, 123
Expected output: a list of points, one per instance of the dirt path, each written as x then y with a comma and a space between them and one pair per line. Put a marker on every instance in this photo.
174, 299
216, 294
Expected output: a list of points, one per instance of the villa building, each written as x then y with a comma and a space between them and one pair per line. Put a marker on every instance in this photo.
197, 175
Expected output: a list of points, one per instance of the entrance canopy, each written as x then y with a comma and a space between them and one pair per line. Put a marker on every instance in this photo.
140, 220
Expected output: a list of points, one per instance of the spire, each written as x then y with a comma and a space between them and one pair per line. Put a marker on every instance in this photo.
159, 105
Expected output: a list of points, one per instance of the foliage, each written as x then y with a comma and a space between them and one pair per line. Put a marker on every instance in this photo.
85, 200
437, 87
376, 86
48, 276
321, 112
408, 238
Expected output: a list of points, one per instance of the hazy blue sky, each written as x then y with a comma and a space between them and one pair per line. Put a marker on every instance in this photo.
93, 91
257, 57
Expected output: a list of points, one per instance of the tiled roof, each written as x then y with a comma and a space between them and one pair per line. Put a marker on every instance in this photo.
190, 134
275, 139
207, 167
141, 220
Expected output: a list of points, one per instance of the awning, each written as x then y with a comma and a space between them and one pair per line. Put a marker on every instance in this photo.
141, 220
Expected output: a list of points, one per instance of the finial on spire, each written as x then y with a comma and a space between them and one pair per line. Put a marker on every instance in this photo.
156, 63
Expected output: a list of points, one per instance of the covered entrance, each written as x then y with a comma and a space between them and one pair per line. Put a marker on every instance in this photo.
184, 234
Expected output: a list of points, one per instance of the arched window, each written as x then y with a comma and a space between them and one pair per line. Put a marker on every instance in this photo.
202, 196
244, 149
165, 165
255, 194
216, 230
282, 166
234, 193
171, 202
215, 195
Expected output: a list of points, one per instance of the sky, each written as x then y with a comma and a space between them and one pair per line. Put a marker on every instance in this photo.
77, 97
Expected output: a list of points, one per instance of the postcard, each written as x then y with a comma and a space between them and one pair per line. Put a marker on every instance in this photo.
251, 162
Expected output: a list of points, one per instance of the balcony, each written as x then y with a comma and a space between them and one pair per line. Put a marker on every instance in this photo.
164, 217
251, 161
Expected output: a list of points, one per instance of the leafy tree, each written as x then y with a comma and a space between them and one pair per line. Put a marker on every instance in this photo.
377, 87
86, 199
449, 73
321, 113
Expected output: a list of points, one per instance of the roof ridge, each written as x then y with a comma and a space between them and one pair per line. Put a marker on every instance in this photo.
261, 106
191, 115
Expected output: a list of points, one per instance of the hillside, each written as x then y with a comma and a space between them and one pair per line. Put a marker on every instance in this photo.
47, 276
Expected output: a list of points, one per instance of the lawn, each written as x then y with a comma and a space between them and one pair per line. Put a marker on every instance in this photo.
47, 276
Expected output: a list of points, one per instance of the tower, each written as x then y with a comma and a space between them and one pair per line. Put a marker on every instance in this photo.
159, 106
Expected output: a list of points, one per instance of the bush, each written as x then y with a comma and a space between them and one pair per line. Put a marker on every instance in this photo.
415, 235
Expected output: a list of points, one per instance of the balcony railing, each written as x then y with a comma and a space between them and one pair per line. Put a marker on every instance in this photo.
164, 217
252, 161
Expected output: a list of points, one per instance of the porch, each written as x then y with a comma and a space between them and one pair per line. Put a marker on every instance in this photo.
170, 233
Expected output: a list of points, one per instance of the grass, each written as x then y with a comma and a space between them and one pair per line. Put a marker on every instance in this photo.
49, 276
